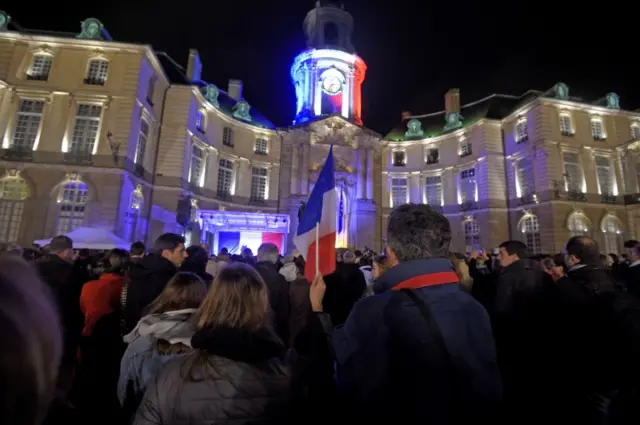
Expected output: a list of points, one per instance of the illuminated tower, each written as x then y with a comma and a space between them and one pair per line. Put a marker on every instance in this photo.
328, 75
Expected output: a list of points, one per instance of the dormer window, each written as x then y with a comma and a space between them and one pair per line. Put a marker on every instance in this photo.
399, 158
40, 67
432, 156
566, 126
465, 147
201, 121
635, 131
522, 131
97, 72
597, 129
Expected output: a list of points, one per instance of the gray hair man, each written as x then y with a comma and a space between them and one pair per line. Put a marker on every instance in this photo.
268, 256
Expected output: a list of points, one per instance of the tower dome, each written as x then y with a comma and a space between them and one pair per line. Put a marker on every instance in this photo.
329, 26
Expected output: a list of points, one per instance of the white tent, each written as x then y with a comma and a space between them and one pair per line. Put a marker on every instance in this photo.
92, 238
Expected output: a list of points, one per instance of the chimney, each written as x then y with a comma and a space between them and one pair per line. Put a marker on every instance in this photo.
405, 115
235, 89
452, 101
194, 68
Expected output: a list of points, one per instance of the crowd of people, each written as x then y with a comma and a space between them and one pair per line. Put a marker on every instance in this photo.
171, 335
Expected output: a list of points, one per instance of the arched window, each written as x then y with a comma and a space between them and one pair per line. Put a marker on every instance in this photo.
471, 234
13, 192
136, 200
612, 234
530, 228
72, 201
577, 224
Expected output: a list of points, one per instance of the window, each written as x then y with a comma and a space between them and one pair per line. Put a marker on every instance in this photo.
133, 221
258, 184
597, 129
399, 193
398, 158
604, 173
141, 147
225, 177
522, 131
97, 72
635, 132
612, 234
572, 171
566, 127
227, 136
524, 176
13, 192
85, 131
433, 156
471, 234
261, 146
433, 187
196, 169
465, 147
467, 186
27, 124
40, 67
201, 121
151, 84
577, 224
72, 201
530, 228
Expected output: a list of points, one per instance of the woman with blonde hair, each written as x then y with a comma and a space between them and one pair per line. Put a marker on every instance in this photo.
239, 372
163, 334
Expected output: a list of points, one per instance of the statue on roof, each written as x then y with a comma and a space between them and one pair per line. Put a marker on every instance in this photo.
561, 90
613, 101
414, 129
91, 29
4, 20
453, 121
211, 93
241, 110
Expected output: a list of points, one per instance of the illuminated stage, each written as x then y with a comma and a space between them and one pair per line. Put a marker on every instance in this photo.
236, 229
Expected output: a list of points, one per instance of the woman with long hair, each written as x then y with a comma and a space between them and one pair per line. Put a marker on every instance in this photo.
239, 372
163, 334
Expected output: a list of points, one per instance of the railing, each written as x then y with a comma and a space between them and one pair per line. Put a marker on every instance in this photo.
608, 198
18, 153
38, 77
94, 81
78, 157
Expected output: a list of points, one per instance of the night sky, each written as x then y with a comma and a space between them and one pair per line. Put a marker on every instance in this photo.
415, 50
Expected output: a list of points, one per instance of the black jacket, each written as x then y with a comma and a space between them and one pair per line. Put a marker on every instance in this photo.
278, 296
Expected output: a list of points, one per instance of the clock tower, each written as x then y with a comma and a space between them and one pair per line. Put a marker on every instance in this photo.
328, 75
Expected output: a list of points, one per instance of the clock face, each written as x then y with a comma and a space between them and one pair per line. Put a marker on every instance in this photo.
332, 85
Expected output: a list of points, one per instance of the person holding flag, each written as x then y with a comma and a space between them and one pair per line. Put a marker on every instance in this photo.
316, 235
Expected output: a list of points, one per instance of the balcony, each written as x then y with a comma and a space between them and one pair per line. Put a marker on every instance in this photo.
138, 170
523, 139
399, 163
599, 138
260, 152
257, 200
468, 206
38, 77
227, 143
608, 198
78, 157
223, 195
18, 153
528, 198
94, 81
432, 160
576, 195
466, 152
567, 133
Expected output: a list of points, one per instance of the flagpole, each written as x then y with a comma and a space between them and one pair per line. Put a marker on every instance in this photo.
317, 249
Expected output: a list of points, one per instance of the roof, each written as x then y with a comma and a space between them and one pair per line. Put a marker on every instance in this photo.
318, 118
177, 75
496, 106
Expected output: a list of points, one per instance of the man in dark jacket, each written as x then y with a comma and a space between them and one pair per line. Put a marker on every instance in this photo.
421, 349
150, 275
268, 256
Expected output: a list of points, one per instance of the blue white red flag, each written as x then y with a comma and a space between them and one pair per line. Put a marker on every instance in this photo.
316, 235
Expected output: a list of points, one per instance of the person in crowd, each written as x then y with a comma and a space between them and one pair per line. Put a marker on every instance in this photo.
366, 267
268, 255
160, 336
299, 297
555, 266
101, 297
149, 276
247, 256
485, 282
589, 348
196, 262
31, 255
462, 270
32, 338
421, 350
380, 265
137, 251
631, 273
240, 372
518, 325
345, 287
58, 272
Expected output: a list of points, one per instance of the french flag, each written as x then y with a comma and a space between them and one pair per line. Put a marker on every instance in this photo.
316, 235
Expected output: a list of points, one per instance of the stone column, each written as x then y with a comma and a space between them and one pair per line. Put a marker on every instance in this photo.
304, 171
414, 189
295, 169
243, 178
360, 169
370, 176
211, 179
